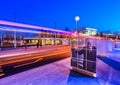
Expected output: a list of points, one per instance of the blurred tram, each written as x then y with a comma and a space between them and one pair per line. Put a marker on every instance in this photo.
46, 38
31, 39
14, 34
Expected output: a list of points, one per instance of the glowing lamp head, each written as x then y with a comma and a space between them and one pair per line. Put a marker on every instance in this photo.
77, 18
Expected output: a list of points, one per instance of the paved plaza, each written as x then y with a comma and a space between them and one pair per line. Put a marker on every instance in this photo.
60, 73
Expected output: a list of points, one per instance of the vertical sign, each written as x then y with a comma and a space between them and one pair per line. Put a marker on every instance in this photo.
110, 45
102, 48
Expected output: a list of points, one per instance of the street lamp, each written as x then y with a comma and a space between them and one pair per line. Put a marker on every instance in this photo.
77, 18
14, 37
14, 31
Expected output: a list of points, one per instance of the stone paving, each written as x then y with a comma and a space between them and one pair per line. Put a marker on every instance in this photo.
59, 73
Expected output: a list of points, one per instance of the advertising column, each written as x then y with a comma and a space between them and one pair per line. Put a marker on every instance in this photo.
83, 58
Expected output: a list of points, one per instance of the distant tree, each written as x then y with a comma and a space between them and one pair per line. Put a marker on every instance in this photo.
108, 31
116, 33
8, 36
101, 34
97, 34
17, 37
11, 37
66, 29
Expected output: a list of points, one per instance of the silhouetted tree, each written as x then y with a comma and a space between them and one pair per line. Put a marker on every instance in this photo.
116, 33
66, 29
97, 34
101, 34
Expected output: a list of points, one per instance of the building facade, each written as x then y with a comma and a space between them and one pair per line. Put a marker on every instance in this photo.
87, 31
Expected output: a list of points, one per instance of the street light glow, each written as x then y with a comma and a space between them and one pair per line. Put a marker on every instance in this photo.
77, 18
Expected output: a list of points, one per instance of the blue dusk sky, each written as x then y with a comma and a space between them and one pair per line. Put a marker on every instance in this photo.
101, 14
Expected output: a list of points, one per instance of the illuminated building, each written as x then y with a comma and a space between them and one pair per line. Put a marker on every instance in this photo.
87, 31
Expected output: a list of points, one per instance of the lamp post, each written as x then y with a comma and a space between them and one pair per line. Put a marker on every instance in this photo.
55, 35
77, 18
14, 31
14, 37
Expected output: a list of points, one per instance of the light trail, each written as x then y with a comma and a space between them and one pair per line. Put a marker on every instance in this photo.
11, 56
19, 30
31, 26
15, 60
41, 58
28, 63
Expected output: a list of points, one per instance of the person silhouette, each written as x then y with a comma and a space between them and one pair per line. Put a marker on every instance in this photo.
89, 57
88, 51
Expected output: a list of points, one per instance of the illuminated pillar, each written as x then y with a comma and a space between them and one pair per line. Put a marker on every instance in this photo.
21, 41
77, 18
14, 37
70, 40
14, 31
39, 41
116, 40
55, 39
0, 38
